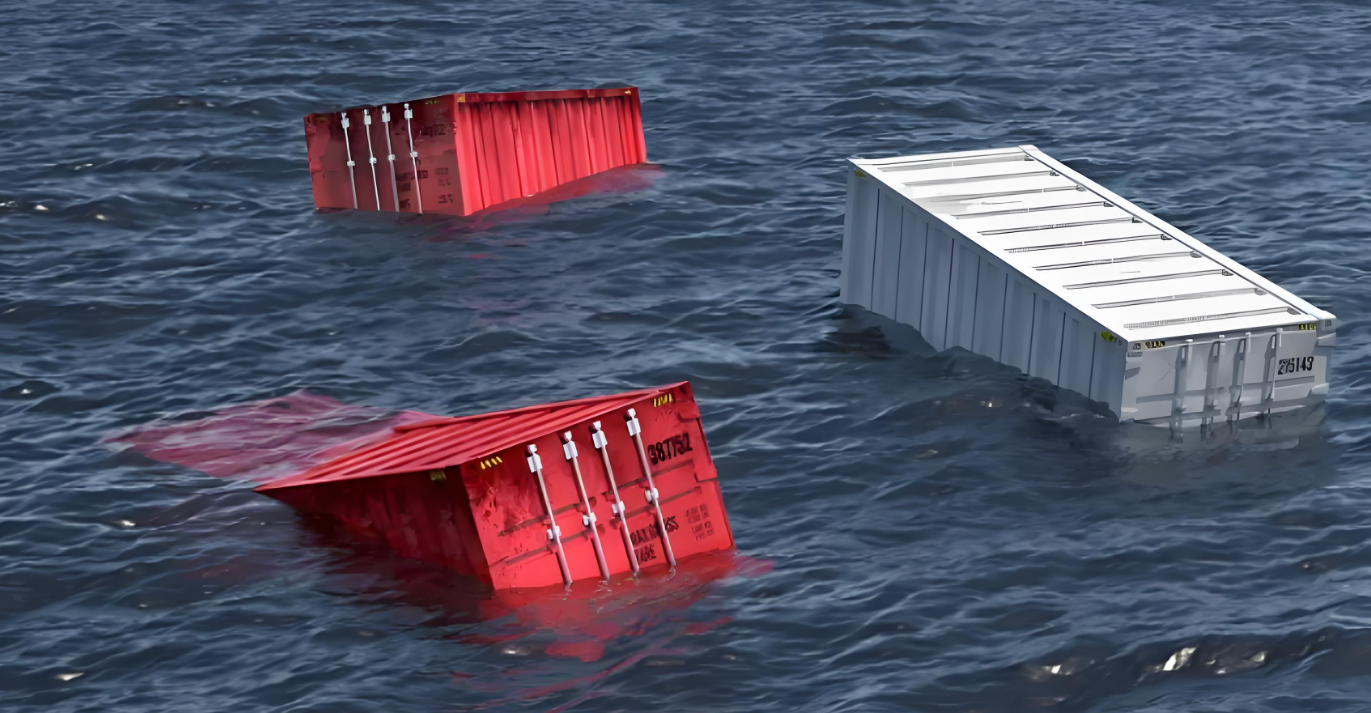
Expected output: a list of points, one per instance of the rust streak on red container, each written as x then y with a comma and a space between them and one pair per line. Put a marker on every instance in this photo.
475, 151
458, 491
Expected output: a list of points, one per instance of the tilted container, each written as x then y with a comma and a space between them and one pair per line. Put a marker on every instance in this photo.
461, 153
1010, 254
535, 496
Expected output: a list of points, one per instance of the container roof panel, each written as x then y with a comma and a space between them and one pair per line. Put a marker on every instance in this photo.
443, 442
1116, 263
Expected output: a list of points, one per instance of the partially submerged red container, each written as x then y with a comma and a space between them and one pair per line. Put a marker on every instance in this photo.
461, 153
496, 495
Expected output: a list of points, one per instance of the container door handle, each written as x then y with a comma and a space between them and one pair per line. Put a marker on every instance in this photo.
588, 518
347, 144
554, 533
636, 431
597, 436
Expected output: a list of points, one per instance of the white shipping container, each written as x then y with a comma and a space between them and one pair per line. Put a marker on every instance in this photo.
1009, 254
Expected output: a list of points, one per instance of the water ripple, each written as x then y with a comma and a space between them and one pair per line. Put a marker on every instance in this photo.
942, 533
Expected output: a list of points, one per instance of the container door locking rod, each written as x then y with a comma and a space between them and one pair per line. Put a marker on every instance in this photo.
588, 519
1211, 382
413, 158
1270, 395
1239, 377
597, 436
554, 533
636, 430
390, 156
366, 122
352, 180
1178, 395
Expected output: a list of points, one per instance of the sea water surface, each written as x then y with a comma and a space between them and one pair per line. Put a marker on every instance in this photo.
918, 531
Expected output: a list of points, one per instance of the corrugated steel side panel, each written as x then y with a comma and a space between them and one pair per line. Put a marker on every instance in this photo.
517, 148
1020, 305
937, 284
416, 516
992, 282
885, 270
1079, 339
903, 263
909, 299
859, 239
963, 304
1107, 375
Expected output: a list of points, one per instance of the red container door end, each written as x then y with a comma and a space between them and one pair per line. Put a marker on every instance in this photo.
648, 497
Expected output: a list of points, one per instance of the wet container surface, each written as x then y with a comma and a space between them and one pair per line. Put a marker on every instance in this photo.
943, 534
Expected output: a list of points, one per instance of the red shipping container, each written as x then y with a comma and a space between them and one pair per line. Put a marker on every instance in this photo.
462, 153
535, 496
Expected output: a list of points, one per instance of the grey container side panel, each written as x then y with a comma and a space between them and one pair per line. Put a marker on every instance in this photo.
1107, 376
937, 287
902, 263
913, 249
859, 236
885, 268
989, 327
1079, 338
1045, 354
1018, 323
964, 305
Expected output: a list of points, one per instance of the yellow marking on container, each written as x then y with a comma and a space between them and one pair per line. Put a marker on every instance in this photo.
1154, 344
461, 98
437, 475
1108, 337
1310, 327
859, 173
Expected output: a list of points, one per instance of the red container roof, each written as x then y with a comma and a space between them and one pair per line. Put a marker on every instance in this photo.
494, 97
442, 442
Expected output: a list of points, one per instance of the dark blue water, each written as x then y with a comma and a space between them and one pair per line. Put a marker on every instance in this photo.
946, 536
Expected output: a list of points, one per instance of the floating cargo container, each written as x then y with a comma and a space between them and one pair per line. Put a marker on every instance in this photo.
1012, 255
461, 153
535, 496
